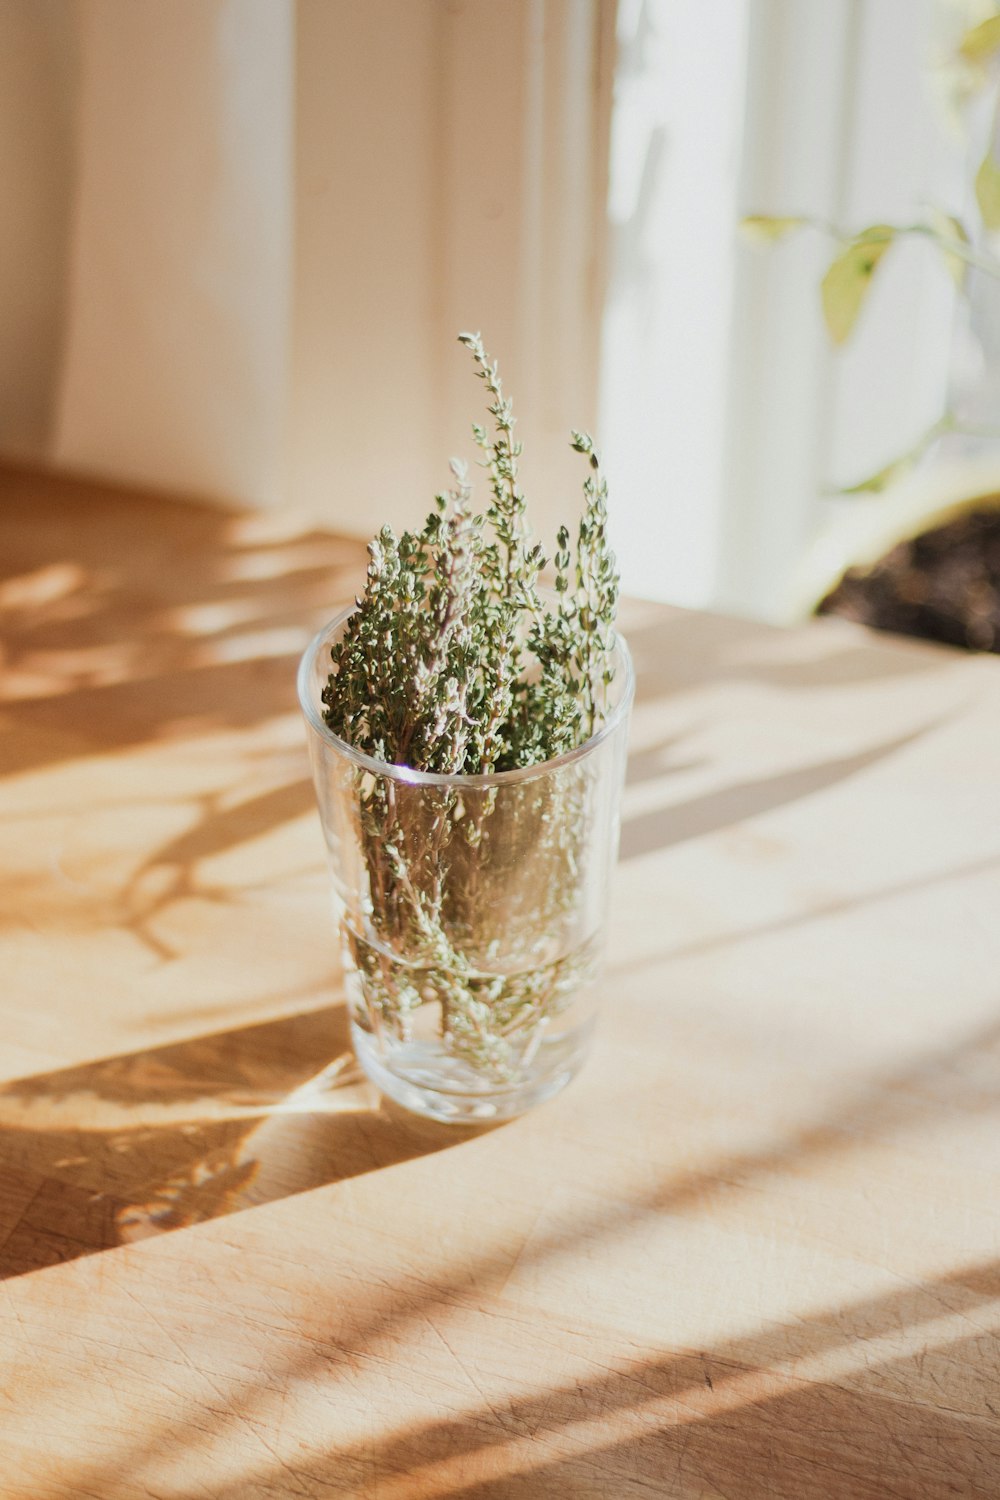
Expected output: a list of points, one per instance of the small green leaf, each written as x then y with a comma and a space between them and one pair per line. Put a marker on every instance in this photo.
988, 191
980, 43
946, 227
846, 283
765, 229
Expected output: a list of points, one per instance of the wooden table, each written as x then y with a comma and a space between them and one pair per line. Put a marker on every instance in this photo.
753, 1251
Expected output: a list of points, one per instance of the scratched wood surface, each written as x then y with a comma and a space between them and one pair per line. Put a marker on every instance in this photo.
754, 1251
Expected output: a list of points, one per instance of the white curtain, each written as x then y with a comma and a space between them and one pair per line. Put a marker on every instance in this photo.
249, 231
240, 237
179, 270
724, 404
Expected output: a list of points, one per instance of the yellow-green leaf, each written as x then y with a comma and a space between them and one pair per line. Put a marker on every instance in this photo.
846, 283
946, 227
988, 191
902, 464
981, 41
874, 484
765, 229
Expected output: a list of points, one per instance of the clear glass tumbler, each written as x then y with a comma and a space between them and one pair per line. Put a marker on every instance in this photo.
471, 909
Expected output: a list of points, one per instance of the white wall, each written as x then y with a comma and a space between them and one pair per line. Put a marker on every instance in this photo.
451, 171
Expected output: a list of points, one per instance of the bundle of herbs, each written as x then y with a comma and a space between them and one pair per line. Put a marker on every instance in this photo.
452, 661
456, 662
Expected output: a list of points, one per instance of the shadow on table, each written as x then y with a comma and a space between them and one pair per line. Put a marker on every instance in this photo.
664, 827
889, 1398
116, 1150
128, 616
681, 649
677, 651
822, 1409
896, 1395
892, 1395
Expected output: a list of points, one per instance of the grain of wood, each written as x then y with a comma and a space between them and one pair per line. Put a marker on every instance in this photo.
751, 1252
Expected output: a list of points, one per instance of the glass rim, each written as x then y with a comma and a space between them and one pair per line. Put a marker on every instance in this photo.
470, 779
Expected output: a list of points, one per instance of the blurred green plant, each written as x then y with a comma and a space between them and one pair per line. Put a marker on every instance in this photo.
849, 276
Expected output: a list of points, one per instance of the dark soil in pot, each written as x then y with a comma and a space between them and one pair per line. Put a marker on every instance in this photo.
943, 585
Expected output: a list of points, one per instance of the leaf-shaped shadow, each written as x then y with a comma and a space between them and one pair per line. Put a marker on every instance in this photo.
114, 1150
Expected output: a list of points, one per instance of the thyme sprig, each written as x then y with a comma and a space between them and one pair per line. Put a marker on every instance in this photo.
454, 660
